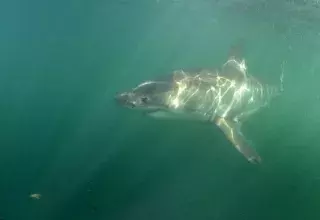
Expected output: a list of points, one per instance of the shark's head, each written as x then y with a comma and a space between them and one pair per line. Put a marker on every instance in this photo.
148, 96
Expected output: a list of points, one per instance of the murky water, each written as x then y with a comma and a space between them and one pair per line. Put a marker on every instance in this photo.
67, 151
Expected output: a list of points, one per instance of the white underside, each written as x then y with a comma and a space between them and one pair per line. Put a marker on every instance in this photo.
170, 115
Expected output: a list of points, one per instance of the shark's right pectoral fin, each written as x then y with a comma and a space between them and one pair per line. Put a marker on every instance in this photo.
234, 135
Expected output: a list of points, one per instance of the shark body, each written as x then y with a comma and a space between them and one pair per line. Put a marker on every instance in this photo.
224, 97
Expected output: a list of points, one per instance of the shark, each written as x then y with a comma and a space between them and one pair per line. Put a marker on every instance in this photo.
224, 97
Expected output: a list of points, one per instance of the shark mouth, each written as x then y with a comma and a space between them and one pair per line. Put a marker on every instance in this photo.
150, 111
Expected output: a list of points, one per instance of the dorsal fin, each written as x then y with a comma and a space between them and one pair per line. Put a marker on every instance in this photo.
234, 70
236, 50
235, 67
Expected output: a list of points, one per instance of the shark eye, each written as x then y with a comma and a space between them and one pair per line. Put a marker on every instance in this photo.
144, 100
132, 105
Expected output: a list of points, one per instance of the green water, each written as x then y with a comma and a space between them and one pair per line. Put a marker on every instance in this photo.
64, 137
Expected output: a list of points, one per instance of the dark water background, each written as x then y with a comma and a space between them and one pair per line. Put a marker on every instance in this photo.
61, 134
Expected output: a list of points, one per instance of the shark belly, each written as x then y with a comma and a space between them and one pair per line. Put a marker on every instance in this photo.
177, 115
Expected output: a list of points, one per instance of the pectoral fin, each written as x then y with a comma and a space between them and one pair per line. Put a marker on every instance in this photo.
233, 133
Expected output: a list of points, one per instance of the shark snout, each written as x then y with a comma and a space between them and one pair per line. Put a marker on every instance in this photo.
124, 99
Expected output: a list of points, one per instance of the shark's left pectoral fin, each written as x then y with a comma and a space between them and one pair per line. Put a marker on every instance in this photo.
232, 131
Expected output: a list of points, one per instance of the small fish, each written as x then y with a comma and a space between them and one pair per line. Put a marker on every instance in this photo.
35, 196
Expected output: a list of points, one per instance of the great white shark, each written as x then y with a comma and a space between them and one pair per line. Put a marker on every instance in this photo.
224, 97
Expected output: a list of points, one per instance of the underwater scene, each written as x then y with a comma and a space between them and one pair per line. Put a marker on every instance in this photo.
160, 110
